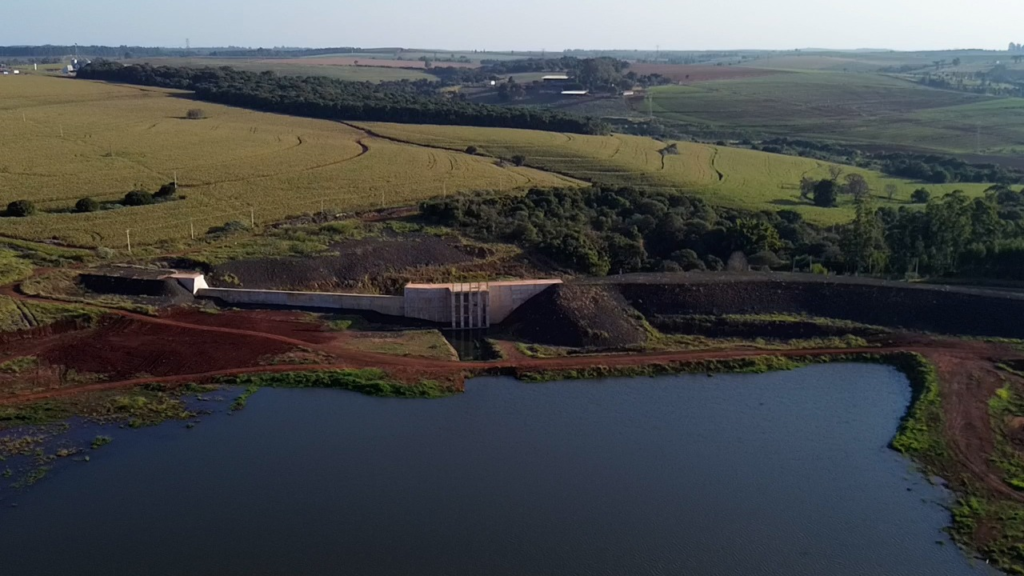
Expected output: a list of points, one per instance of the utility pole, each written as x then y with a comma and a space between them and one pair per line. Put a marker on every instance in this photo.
128, 234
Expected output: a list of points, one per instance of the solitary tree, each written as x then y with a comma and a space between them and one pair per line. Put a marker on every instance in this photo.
195, 114
87, 205
921, 196
856, 186
834, 172
807, 188
519, 160
472, 150
138, 198
167, 191
21, 208
890, 191
825, 193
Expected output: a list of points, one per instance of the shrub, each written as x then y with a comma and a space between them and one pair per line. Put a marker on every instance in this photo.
472, 150
86, 205
166, 191
228, 228
921, 196
21, 208
138, 198
195, 114
105, 253
519, 160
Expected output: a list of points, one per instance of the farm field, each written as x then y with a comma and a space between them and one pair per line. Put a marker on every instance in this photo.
68, 139
856, 108
344, 69
732, 177
688, 73
868, 61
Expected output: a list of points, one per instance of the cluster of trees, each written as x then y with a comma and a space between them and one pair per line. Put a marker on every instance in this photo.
958, 235
166, 193
618, 230
932, 168
998, 81
602, 74
60, 52
1016, 47
322, 97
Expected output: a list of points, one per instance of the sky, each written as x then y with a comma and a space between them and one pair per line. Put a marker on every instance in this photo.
520, 25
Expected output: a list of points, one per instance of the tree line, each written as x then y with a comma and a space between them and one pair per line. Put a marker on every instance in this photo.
602, 74
604, 230
321, 97
930, 168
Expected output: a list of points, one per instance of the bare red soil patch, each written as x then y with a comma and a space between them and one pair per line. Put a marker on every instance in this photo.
288, 324
688, 73
124, 348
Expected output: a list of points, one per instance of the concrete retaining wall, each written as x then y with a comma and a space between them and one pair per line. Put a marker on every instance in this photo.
483, 304
430, 302
505, 297
390, 305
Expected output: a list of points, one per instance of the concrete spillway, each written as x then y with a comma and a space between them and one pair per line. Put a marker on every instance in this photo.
456, 305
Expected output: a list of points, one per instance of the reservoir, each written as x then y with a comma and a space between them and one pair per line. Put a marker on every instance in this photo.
779, 474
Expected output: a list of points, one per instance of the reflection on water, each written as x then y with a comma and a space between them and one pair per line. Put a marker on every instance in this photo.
778, 474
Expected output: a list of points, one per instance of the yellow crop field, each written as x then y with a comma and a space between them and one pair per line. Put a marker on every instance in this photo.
63, 139
732, 177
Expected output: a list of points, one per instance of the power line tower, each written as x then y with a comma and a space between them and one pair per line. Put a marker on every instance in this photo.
188, 45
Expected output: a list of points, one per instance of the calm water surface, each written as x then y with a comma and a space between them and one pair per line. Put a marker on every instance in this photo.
778, 474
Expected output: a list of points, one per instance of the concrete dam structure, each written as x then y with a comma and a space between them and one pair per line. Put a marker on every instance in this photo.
460, 305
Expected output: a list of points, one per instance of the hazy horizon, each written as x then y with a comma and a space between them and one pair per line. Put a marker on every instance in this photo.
529, 25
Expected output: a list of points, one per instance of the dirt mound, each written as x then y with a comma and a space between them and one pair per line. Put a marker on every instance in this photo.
356, 261
577, 316
939, 309
152, 291
123, 348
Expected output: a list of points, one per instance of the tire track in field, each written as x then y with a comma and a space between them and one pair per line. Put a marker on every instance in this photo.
363, 150
369, 132
714, 164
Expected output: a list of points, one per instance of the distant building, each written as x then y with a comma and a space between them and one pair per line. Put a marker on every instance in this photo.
555, 78
575, 92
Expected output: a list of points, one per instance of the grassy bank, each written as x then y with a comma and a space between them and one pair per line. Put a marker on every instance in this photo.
371, 382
